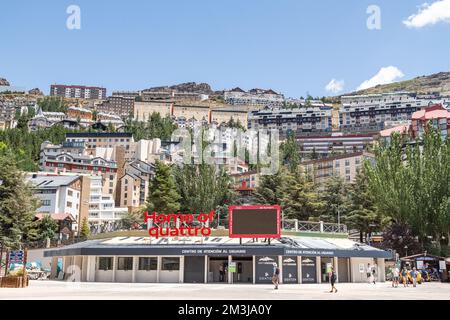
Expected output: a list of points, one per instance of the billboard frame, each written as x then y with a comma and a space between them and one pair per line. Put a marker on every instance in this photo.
255, 207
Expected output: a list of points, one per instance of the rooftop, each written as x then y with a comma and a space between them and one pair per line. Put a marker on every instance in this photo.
45, 182
293, 245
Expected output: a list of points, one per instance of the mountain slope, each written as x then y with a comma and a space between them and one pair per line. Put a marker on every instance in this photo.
438, 82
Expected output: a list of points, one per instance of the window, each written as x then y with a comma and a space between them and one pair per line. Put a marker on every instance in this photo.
170, 264
70, 193
111, 184
347, 163
337, 164
126, 195
347, 170
69, 204
111, 177
126, 188
125, 263
148, 264
46, 203
105, 263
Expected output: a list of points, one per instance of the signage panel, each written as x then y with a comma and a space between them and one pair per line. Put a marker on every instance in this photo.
309, 270
290, 270
264, 268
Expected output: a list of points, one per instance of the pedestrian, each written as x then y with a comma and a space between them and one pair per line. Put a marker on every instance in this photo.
374, 274
395, 276
221, 273
333, 278
276, 276
405, 277
413, 274
368, 273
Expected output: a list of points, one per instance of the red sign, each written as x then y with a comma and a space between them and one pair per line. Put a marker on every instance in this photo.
183, 231
255, 221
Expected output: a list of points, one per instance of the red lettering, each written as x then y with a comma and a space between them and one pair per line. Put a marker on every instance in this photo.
205, 231
154, 232
203, 217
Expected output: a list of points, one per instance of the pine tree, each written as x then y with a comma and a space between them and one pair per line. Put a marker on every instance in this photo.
84, 231
334, 195
362, 214
202, 188
299, 197
163, 195
17, 205
269, 190
47, 228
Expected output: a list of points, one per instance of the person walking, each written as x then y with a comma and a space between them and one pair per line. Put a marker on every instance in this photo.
374, 273
395, 277
405, 277
333, 278
276, 276
369, 273
413, 274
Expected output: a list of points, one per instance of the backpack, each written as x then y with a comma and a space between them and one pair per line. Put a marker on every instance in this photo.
277, 271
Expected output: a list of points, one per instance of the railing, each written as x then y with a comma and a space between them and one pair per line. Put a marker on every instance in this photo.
309, 226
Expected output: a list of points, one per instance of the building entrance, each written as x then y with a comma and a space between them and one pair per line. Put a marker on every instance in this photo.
218, 270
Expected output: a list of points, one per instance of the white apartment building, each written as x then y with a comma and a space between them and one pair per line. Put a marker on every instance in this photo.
102, 209
258, 97
370, 112
296, 120
58, 194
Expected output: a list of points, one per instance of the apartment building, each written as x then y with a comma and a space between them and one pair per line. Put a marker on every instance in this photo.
249, 179
257, 97
61, 195
107, 119
197, 112
103, 212
143, 110
95, 140
44, 120
296, 121
436, 116
122, 106
370, 112
345, 166
78, 92
79, 113
336, 143
221, 115
73, 157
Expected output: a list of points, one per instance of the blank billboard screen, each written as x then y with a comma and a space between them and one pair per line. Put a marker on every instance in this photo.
255, 222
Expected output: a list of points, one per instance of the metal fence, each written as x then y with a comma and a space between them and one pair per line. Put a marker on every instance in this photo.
309, 226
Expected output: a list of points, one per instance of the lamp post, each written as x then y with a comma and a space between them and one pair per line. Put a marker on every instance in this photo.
406, 249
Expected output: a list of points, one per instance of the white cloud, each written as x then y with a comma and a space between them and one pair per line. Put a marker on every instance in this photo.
384, 76
429, 14
335, 86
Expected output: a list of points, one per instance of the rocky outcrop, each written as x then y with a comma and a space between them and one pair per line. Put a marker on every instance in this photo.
191, 87
4, 82
36, 92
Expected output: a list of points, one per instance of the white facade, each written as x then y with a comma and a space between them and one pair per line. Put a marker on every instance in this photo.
102, 207
372, 111
57, 194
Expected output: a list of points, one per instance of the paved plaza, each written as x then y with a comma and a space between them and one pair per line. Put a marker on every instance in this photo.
346, 291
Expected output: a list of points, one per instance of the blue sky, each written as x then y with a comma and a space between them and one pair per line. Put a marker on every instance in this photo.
290, 46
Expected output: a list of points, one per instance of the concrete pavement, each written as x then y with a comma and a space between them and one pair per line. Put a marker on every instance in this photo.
57, 290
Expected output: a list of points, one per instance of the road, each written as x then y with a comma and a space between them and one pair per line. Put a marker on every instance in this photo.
56, 290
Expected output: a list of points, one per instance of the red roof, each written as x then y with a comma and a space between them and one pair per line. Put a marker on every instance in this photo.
402, 129
434, 112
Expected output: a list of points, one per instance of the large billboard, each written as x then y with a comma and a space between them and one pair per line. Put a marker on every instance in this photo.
255, 221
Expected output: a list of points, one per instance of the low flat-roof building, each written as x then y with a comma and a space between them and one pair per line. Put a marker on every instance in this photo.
302, 259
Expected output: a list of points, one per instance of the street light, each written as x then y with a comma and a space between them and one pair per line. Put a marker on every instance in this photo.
406, 248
